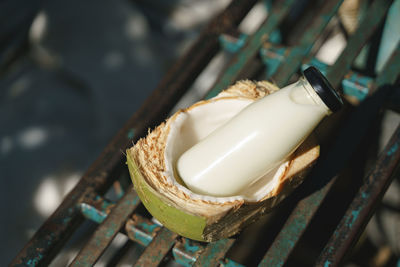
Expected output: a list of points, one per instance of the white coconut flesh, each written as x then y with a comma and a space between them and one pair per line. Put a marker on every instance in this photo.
157, 153
193, 125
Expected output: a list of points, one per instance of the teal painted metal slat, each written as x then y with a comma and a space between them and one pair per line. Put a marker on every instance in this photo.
390, 35
307, 207
186, 251
376, 13
214, 252
230, 263
141, 230
250, 50
296, 55
156, 251
388, 74
355, 85
96, 208
106, 232
360, 210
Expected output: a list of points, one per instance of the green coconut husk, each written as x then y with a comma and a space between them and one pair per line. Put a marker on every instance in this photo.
205, 218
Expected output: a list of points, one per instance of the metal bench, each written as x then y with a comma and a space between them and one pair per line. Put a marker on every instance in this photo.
303, 214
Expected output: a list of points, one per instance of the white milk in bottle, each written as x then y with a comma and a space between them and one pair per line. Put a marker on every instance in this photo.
258, 138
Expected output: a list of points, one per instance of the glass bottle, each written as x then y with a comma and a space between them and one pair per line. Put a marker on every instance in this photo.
259, 138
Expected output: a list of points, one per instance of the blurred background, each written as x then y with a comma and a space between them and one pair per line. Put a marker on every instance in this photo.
72, 73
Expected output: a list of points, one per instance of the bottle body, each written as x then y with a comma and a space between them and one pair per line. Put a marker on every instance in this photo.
253, 142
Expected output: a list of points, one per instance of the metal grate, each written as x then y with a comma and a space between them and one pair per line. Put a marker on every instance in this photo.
256, 56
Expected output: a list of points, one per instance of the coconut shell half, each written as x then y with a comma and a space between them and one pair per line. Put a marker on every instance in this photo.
152, 160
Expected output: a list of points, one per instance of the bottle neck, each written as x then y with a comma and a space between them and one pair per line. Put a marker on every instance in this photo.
312, 94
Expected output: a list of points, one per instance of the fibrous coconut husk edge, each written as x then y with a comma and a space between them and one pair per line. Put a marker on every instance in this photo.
194, 217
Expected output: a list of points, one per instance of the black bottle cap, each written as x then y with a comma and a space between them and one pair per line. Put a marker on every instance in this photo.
323, 88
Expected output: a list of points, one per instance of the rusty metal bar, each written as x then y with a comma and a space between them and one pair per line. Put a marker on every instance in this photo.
53, 234
107, 230
186, 251
185, 71
375, 15
335, 74
371, 192
294, 59
392, 66
214, 252
96, 208
324, 173
141, 230
244, 57
362, 207
158, 248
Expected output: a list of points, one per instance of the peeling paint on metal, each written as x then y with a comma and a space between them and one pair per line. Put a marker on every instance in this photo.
186, 251
214, 252
92, 213
354, 214
35, 261
252, 47
232, 44
113, 227
148, 227
157, 249
363, 205
190, 246
357, 86
143, 238
229, 263
295, 58
272, 57
393, 149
